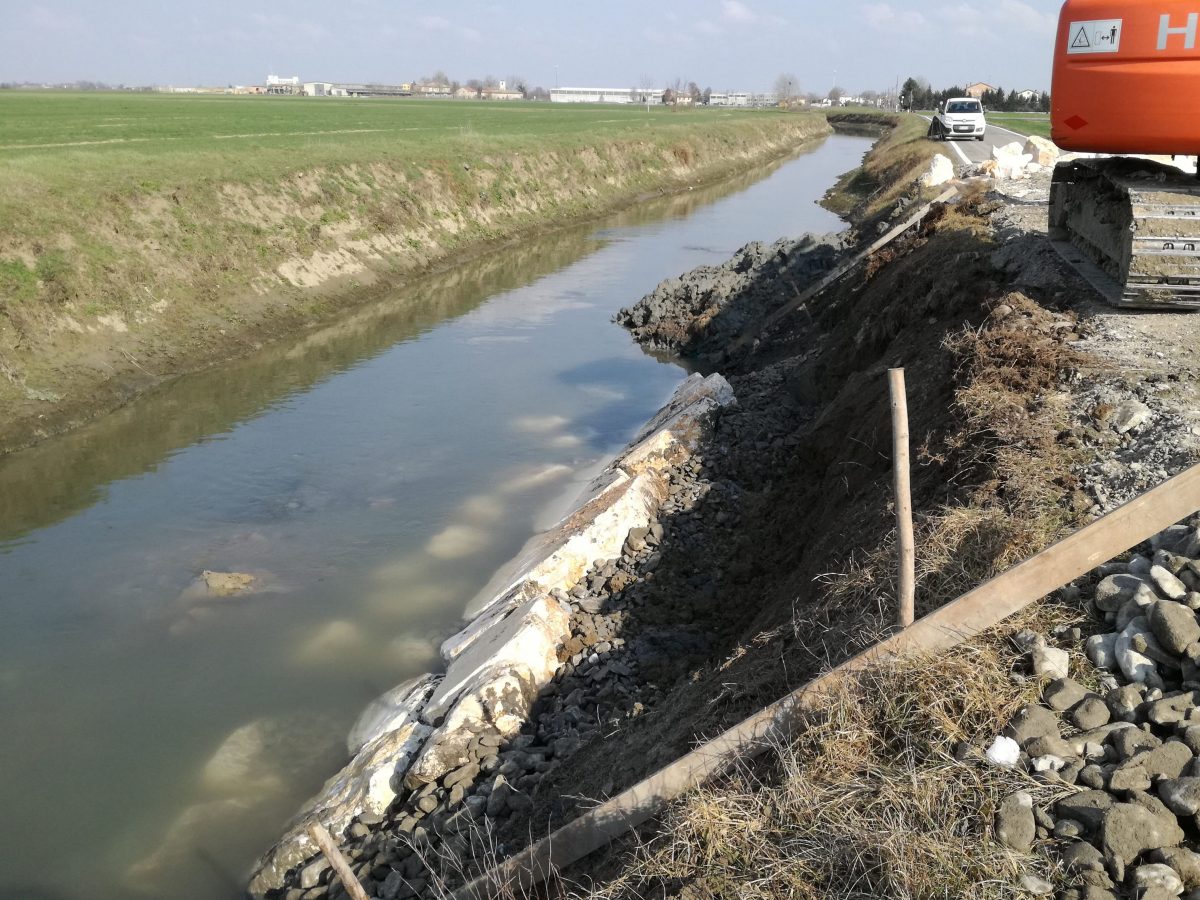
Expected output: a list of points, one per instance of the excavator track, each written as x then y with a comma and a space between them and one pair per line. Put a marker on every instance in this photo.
1132, 229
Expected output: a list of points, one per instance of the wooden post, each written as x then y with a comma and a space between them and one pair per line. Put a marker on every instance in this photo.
903, 499
325, 841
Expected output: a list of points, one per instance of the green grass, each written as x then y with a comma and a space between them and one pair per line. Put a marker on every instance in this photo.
151, 140
1023, 123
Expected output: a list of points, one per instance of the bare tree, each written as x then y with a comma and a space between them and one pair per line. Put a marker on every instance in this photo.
787, 87
836, 93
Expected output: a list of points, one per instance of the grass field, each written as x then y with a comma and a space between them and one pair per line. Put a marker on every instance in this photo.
110, 137
1024, 123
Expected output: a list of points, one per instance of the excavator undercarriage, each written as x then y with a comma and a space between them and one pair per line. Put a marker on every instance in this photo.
1132, 228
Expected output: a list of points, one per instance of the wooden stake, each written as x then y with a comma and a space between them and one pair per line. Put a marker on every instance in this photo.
349, 880
903, 499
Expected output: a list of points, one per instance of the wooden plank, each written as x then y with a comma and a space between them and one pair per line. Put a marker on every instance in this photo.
964, 618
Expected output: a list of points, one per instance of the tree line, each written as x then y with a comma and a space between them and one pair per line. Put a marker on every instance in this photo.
918, 94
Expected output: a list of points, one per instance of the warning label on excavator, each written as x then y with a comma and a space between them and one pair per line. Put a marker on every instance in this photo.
1097, 36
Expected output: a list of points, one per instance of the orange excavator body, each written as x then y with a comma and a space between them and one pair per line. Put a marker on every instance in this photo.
1127, 77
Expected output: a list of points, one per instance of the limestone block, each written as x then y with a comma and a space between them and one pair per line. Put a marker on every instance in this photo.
527, 639
1042, 150
391, 711
941, 170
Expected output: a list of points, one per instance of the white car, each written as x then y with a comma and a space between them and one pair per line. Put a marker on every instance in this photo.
958, 117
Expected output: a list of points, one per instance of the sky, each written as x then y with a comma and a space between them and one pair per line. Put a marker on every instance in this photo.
723, 44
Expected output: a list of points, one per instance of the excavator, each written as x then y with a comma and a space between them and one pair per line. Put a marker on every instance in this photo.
1127, 81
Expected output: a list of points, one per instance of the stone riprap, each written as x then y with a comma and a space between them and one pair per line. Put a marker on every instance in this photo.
437, 758
700, 312
1128, 751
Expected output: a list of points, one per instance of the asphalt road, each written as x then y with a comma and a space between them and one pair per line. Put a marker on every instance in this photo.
969, 152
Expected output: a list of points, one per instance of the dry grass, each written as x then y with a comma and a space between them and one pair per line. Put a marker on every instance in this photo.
869, 801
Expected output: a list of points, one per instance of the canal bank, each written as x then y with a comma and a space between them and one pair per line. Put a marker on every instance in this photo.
160, 281
580, 644
770, 558
328, 469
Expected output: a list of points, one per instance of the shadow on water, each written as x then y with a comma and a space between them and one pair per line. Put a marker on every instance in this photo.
63, 476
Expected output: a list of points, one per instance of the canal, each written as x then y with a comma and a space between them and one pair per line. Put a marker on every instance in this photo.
370, 476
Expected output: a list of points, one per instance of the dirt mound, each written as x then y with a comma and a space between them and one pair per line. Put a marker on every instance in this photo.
698, 313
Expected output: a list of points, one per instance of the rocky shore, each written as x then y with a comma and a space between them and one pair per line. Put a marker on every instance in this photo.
541, 669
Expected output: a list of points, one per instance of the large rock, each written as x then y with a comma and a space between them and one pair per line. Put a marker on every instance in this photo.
1130, 415
1185, 863
1102, 650
1041, 150
940, 171
1173, 623
367, 785
1173, 709
1181, 795
1063, 693
1050, 662
1015, 826
1168, 585
1087, 807
1129, 829
391, 711
1113, 592
492, 683
1032, 721
613, 504
675, 432
1136, 665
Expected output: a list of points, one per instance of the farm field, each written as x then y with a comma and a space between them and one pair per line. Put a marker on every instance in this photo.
74, 138
1024, 122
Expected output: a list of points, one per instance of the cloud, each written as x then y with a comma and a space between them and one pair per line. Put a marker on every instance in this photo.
736, 11
706, 27
885, 17
1028, 18
438, 23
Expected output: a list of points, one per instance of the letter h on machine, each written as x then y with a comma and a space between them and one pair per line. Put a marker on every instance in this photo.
1165, 30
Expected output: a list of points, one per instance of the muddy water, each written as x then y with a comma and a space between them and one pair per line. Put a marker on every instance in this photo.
370, 476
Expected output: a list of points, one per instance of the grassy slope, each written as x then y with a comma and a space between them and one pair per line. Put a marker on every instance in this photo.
143, 235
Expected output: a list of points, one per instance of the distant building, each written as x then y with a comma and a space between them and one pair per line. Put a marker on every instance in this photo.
1029, 96
431, 89
977, 90
501, 92
279, 85
318, 89
606, 95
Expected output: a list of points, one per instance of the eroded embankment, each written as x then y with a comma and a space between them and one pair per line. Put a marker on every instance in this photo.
768, 556
160, 281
